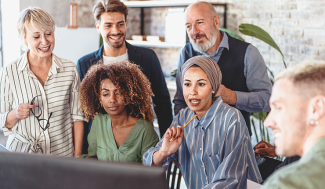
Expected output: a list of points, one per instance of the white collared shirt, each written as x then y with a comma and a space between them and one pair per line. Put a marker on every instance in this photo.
18, 84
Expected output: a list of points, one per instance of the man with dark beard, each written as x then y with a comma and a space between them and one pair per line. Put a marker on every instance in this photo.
245, 83
110, 17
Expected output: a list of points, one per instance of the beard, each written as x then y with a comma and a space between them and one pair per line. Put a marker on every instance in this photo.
202, 48
115, 45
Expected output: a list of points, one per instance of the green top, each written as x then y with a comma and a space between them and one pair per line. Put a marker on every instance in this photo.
307, 173
102, 142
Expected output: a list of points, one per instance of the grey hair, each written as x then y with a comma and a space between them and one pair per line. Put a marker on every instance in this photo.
210, 68
34, 17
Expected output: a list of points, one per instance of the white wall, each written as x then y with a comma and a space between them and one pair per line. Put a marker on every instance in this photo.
10, 39
72, 44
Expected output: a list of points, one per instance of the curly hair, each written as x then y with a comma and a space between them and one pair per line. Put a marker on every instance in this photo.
128, 79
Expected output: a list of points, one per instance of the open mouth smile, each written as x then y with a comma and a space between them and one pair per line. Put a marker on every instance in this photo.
44, 49
194, 102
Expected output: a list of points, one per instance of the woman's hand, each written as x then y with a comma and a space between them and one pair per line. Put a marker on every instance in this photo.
264, 149
169, 147
22, 112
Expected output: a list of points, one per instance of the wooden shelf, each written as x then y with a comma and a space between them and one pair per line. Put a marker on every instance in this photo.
163, 3
156, 44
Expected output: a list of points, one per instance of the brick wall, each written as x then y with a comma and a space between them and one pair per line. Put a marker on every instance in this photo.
297, 26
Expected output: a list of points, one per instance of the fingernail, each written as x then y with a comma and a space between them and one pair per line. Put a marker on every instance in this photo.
34, 106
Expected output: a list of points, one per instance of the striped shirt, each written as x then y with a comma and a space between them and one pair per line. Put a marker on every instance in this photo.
59, 96
216, 151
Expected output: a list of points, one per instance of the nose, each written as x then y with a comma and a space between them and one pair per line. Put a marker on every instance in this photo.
115, 29
193, 90
112, 98
269, 122
44, 40
194, 30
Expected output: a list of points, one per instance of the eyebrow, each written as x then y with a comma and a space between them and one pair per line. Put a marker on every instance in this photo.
197, 80
201, 19
103, 89
113, 22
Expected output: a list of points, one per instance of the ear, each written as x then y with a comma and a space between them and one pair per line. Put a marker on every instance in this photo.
317, 107
97, 27
216, 21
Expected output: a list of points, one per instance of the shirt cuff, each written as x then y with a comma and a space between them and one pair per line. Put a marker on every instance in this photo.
242, 99
7, 131
78, 118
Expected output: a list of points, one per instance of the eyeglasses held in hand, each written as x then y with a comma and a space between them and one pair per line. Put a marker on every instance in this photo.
38, 113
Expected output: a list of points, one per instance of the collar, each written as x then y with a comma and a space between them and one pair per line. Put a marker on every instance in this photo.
316, 148
56, 67
209, 115
223, 44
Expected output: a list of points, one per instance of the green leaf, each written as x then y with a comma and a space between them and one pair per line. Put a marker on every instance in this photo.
259, 33
173, 73
232, 34
260, 116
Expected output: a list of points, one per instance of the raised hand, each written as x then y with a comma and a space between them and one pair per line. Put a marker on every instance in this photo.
169, 147
264, 149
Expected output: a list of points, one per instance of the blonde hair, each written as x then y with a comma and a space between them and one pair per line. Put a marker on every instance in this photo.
308, 77
34, 17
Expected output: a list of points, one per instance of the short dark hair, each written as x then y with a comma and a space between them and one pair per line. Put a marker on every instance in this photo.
109, 6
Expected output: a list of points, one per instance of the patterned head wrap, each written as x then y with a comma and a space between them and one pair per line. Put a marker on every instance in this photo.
208, 66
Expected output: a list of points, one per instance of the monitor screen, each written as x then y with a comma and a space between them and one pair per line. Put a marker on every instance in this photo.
18, 170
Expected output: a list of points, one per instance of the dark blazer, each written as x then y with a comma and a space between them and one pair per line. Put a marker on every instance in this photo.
150, 66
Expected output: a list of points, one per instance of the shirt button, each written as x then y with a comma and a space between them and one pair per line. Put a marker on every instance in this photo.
200, 148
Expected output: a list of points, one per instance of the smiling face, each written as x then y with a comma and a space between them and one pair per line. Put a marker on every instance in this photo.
111, 99
288, 118
41, 43
202, 28
112, 27
197, 91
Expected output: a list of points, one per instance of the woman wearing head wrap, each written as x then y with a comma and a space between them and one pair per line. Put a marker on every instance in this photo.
214, 150
38, 93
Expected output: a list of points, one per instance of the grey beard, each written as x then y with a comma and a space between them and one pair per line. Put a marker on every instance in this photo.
208, 45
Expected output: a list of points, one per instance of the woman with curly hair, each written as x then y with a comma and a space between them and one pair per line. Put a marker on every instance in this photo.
118, 97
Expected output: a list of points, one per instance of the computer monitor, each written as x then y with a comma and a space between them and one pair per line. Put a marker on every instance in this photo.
18, 170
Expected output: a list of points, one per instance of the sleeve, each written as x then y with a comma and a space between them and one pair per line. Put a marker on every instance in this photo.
237, 162
150, 139
76, 114
147, 156
163, 108
81, 74
258, 84
92, 141
5, 102
179, 100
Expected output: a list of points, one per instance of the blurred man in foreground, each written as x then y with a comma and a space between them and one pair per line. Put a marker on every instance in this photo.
297, 119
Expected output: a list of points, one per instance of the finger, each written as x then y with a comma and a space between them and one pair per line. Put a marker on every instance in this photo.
168, 133
31, 106
174, 131
178, 131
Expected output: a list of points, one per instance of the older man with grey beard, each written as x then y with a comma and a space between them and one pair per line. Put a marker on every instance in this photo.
245, 83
